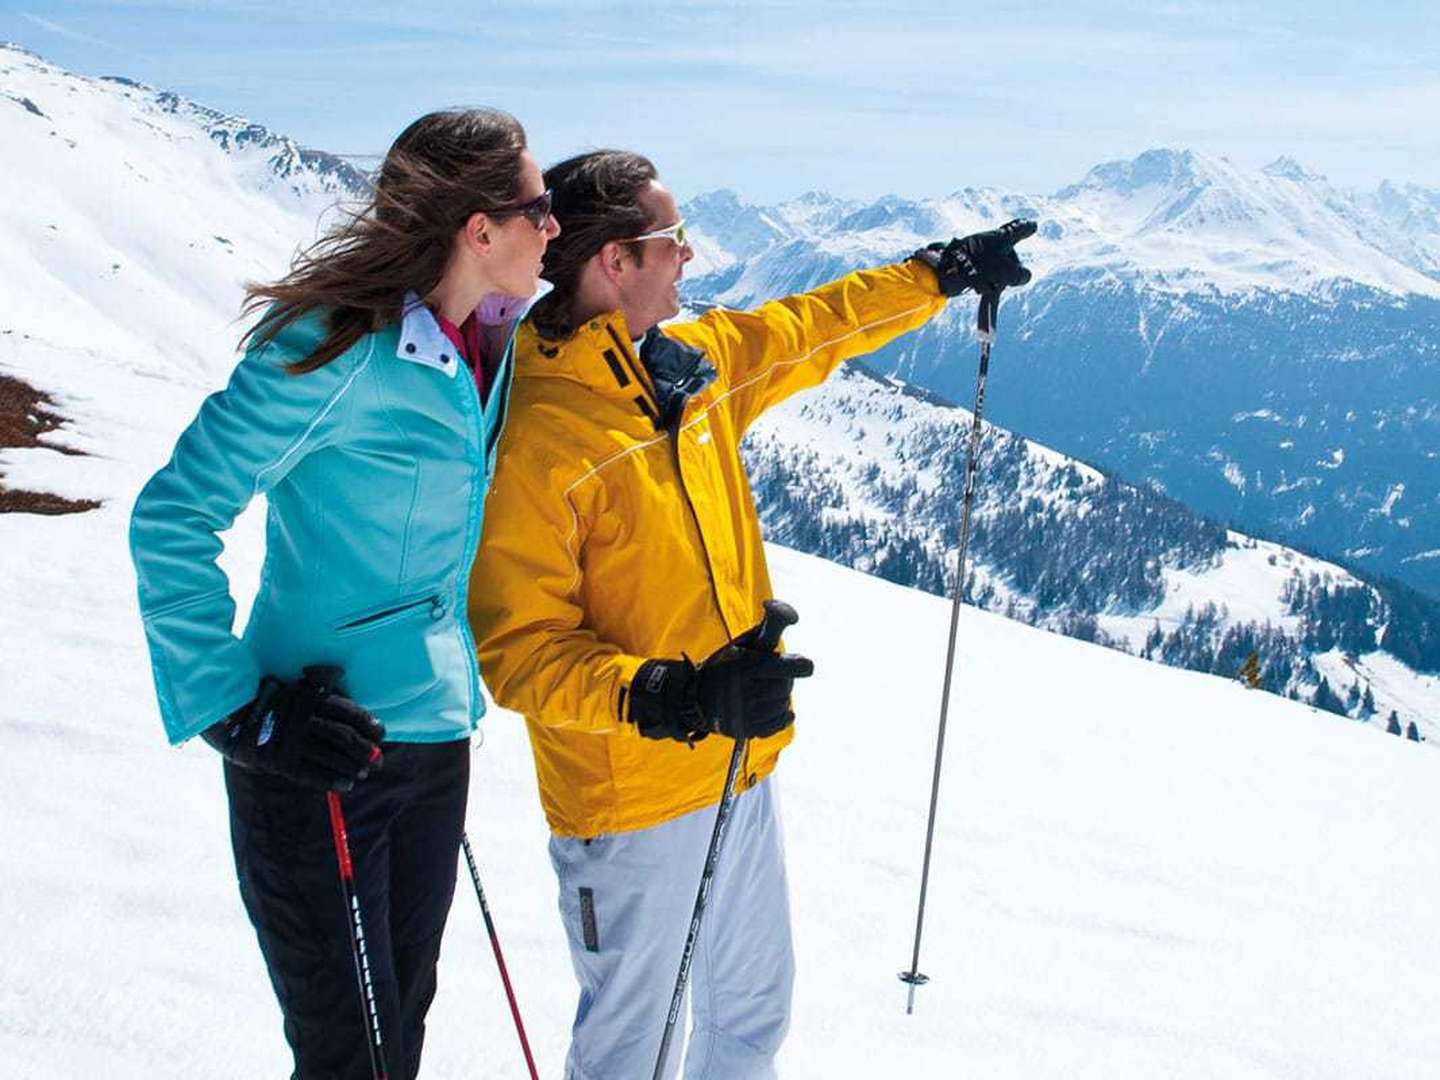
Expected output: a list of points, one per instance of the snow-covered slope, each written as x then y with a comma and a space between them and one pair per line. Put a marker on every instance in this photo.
130, 214
1139, 871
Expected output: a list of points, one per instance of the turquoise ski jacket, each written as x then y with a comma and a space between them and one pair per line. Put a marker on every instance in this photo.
375, 468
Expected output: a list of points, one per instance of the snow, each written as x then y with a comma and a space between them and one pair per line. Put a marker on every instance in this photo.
1392, 496
1139, 871
1243, 583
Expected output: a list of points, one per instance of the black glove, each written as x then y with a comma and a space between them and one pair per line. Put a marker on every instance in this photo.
304, 731
984, 261
742, 691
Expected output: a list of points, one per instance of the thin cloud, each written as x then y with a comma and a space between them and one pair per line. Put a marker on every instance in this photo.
61, 30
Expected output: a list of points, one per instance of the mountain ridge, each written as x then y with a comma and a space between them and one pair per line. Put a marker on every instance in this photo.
1152, 325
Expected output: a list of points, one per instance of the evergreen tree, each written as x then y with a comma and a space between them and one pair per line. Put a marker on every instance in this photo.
1327, 699
1413, 733
1393, 727
1367, 703
1153, 641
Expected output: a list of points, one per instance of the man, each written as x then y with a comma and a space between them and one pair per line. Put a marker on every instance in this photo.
621, 549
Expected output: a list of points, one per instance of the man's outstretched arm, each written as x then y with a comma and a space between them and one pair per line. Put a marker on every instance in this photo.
785, 346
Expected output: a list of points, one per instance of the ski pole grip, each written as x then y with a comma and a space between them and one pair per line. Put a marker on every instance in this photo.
778, 615
988, 314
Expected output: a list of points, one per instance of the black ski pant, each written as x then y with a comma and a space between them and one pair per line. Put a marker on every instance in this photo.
404, 824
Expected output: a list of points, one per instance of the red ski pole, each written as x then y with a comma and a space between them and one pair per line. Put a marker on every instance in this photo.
357, 937
499, 957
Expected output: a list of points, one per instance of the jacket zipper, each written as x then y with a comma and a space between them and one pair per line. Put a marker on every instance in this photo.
674, 433
479, 478
744, 780
354, 624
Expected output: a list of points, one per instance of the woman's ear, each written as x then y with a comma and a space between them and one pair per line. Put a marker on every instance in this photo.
477, 234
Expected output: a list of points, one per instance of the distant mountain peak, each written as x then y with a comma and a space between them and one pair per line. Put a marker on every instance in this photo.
1287, 168
1165, 167
719, 198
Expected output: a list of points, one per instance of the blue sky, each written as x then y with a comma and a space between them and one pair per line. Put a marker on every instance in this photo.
776, 98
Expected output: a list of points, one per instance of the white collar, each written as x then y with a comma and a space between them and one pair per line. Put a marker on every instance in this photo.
423, 342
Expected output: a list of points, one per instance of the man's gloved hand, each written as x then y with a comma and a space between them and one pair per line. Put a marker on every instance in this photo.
984, 261
305, 731
742, 691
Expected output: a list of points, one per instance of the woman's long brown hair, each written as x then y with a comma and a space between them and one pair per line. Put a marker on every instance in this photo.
443, 168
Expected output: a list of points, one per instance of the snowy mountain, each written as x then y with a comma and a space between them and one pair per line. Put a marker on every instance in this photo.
121, 269
1262, 346
869, 472
1139, 871
131, 214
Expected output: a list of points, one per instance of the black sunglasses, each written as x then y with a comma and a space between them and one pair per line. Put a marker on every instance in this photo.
537, 210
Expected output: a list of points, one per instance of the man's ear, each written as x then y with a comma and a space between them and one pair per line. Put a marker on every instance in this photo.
612, 258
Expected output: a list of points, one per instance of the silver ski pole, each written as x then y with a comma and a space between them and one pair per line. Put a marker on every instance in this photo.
985, 326
707, 878
777, 616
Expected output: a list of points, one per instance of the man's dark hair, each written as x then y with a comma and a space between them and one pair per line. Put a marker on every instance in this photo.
596, 200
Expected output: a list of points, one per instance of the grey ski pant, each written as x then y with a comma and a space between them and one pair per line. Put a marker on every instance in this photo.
626, 900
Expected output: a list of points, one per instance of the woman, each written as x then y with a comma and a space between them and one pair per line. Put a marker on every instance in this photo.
366, 408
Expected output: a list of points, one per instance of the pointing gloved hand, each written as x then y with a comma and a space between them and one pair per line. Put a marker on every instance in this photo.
985, 261
742, 691
305, 731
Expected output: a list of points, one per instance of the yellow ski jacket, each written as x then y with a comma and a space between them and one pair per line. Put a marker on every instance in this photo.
611, 537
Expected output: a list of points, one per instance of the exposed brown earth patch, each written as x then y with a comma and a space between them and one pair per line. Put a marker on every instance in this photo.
25, 415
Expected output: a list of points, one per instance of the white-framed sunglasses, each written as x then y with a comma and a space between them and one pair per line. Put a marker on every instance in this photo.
674, 233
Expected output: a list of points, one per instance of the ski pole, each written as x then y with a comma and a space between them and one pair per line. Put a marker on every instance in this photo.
777, 617
985, 326
499, 957
357, 937
325, 677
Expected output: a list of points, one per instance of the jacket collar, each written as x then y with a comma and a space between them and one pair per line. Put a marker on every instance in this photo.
602, 356
423, 342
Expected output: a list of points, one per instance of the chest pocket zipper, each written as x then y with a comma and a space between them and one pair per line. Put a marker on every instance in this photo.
435, 602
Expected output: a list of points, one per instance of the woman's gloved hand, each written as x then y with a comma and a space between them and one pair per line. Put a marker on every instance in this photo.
306, 731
